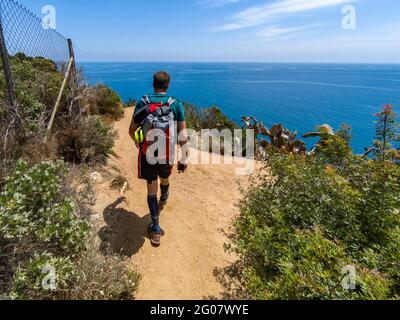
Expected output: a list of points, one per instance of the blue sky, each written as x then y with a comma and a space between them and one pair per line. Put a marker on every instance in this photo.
228, 30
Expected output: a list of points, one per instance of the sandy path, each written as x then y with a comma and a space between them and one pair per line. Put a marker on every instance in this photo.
199, 213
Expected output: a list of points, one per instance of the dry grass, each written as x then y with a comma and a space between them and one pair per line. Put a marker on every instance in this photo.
101, 277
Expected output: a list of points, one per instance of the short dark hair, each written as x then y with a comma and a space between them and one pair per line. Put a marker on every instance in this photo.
162, 80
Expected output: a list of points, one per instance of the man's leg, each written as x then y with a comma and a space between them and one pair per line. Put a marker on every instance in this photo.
152, 191
164, 185
165, 173
150, 174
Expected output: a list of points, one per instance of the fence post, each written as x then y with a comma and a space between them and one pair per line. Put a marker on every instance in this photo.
72, 55
6, 66
53, 115
74, 80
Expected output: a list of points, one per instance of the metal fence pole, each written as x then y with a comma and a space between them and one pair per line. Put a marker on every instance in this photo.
6, 66
64, 83
72, 55
74, 81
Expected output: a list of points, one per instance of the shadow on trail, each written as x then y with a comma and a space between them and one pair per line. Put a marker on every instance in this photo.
232, 282
125, 232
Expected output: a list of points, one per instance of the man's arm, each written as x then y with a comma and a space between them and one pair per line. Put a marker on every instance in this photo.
138, 116
183, 143
182, 129
182, 133
132, 129
182, 137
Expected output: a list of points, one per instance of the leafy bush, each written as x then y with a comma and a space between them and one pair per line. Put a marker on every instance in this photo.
311, 267
333, 147
317, 214
28, 280
351, 215
39, 227
37, 220
106, 102
37, 84
31, 206
211, 118
43, 212
90, 139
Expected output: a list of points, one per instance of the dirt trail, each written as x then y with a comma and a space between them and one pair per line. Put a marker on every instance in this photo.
196, 220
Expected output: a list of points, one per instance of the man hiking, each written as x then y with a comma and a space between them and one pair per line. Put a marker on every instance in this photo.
158, 122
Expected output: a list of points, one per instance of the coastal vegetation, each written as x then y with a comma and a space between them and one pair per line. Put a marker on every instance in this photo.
207, 118
46, 191
324, 224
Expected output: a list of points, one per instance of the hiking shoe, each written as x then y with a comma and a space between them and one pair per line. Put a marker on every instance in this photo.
155, 237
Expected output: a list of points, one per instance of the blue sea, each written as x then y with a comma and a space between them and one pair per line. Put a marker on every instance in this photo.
300, 96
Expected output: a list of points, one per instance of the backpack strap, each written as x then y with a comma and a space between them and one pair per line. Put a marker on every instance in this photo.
170, 102
146, 100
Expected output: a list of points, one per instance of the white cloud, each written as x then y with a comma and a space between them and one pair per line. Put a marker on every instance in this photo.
258, 15
274, 32
372, 44
215, 3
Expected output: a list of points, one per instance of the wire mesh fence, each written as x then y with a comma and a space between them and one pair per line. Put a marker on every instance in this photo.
24, 33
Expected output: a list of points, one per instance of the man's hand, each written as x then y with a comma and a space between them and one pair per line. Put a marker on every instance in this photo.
182, 167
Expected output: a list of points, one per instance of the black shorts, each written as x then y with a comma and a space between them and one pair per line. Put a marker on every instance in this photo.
151, 172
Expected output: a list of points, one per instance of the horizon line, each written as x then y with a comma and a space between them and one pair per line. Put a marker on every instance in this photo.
246, 62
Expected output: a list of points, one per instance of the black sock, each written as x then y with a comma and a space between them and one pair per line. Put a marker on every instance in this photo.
164, 192
153, 206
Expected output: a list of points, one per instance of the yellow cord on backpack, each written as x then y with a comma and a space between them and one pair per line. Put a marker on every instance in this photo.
139, 137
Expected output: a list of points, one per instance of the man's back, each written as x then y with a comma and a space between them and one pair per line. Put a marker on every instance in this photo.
177, 106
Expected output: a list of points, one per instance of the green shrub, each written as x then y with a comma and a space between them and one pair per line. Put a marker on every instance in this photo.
356, 218
90, 139
335, 148
106, 102
40, 227
31, 206
211, 118
28, 280
42, 212
96, 140
312, 267
37, 84
319, 213
37, 223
